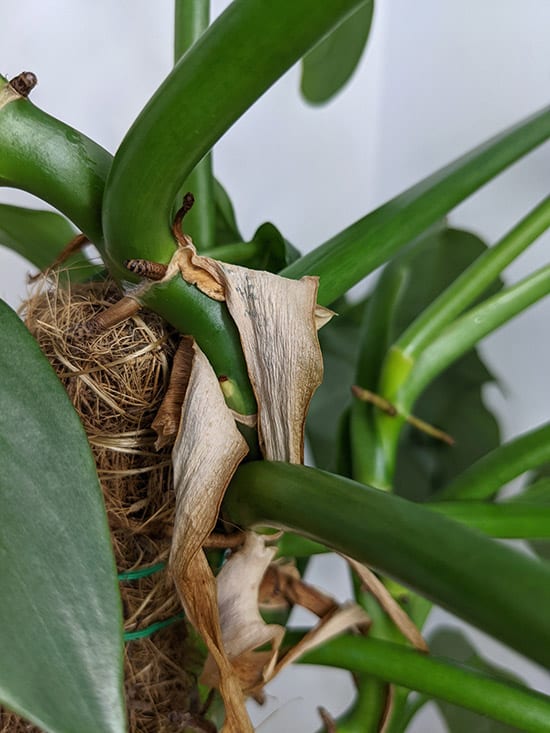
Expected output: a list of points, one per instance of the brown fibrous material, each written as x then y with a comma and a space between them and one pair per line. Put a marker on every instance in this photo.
116, 379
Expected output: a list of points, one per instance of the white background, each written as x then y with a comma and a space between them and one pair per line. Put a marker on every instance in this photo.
438, 78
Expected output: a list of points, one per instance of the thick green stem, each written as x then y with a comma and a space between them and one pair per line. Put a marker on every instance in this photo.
367, 712
210, 88
361, 248
461, 570
436, 677
55, 162
487, 475
473, 282
191, 20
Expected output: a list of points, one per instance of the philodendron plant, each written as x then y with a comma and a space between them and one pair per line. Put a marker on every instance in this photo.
408, 465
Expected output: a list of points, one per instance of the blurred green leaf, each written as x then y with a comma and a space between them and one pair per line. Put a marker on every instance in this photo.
227, 231
451, 643
329, 64
60, 616
327, 416
538, 490
453, 402
40, 236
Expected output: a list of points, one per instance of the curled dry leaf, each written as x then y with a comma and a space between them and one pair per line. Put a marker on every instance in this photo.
243, 628
389, 604
275, 317
207, 451
282, 587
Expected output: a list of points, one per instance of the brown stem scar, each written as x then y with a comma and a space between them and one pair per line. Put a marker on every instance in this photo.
146, 268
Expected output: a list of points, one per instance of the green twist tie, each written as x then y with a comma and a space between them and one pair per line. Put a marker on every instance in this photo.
141, 572
142, 633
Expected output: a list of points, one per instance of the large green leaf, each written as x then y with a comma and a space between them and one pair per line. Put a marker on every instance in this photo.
39, 236
451, 643
329, 64
60, 615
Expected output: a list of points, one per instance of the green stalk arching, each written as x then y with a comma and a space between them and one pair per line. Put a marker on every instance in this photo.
463, 334
204, 95
461, 570
436, 677
358, 250
55, 162
191, 19
485, 477
473, 281
206, 92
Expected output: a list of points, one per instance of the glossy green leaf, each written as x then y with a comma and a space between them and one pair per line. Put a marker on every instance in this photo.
458, 568
60, 615
451, 643
329, 64
40, 236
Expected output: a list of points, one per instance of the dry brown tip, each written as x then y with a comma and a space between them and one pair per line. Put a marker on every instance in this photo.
24, 83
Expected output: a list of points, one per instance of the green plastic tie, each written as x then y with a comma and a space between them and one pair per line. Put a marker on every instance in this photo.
141, 572
142, 633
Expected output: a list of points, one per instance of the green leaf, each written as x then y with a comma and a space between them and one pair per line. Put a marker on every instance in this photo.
451, 643
276, 251
329, 64
227, 231
40, 236
60, 616
458, 568
339, 341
